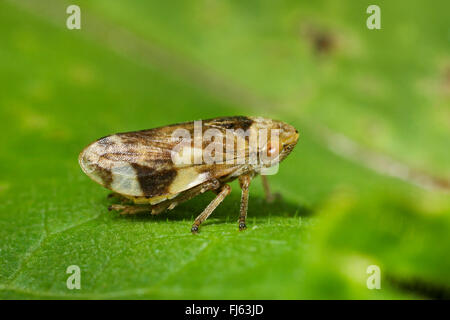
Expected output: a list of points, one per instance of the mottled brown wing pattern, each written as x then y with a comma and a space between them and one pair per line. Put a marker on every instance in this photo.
140, 163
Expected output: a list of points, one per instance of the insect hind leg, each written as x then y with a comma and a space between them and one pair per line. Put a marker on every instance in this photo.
118, 196
130, 209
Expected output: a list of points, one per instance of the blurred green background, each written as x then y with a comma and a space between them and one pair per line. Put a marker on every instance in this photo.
366, 185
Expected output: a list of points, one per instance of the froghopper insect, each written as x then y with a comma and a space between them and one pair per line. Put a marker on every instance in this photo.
154, 170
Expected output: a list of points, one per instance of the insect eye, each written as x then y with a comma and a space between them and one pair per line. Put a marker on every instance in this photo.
272, 149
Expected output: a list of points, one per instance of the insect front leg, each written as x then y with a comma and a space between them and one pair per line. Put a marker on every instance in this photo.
270, 197
223, 192
244, 182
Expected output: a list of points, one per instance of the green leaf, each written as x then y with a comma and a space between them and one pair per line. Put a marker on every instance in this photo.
130, 67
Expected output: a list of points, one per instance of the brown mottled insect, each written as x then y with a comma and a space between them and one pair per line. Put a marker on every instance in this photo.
159, 168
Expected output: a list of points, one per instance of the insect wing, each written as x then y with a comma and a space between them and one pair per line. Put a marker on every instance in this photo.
141, 163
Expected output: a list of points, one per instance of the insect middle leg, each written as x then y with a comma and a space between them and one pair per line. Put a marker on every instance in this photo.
168, 204
223, 191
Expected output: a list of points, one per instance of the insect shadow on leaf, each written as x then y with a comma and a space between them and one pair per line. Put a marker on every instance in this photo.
226, 212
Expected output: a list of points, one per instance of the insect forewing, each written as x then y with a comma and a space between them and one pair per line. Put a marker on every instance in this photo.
141, 163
